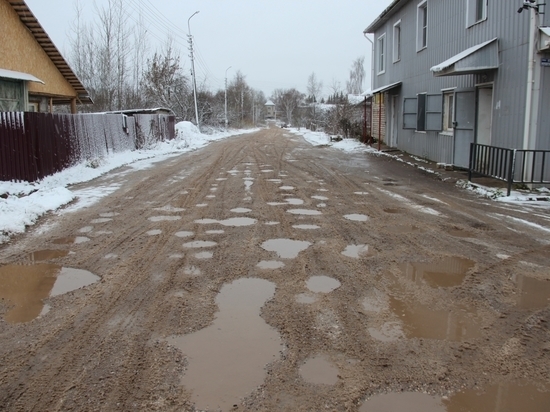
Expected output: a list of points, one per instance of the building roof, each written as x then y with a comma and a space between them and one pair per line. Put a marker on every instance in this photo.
385, 15
30, 21
269, 103
11, 74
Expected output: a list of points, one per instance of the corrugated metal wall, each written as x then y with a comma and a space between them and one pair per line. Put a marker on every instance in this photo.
448, 36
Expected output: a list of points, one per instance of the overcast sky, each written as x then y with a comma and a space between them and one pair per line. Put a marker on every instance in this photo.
275, 44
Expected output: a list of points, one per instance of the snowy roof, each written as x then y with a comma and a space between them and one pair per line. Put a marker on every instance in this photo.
269, 103
385, 15
545, 38
460, 56
10, 74
155, 110
383, 88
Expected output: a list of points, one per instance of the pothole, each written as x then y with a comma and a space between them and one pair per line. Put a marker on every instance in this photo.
322, 284
192, 271
153, 232
100, 220
447, 272
392, 210
204, 255
163, 218
48, 254
234, 221
71, 240
227, 359
241, 210
306, 227
421, 321
26, 286
285, 248
308, 212
319, 371
169, 209
197, 244
319, 197
356, 217
403, 401
532, 293
270, 264
357, 251
183, 233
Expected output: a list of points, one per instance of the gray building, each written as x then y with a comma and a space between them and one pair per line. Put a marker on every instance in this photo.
451, 72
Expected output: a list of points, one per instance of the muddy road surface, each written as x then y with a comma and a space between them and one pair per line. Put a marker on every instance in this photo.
264, 274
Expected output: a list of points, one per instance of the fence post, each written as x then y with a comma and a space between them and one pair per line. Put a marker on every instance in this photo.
470, 163
511, 171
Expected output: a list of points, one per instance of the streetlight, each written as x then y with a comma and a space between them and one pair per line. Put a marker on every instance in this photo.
226, 96
193, 71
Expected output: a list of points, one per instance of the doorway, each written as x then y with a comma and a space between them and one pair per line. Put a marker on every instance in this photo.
484, 114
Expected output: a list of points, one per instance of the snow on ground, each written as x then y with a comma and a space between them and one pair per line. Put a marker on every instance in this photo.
21, 204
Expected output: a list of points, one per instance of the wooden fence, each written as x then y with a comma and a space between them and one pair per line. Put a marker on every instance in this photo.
36, 145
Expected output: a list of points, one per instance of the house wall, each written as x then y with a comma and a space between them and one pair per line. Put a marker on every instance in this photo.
448, 36
22, 53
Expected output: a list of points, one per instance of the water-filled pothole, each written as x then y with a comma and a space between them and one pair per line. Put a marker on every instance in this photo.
197, 244
308, 212
241, 210
356, 217
357, 251
227, 359
403, 401
204, 255
71, 240
422, 321
306, 227
48, 254
392, 210
183, 233
319, 197
532, 293
153, 232
234, 221
163, 218
285, 248
447, 272
322, 284
26, 286
100, 220
270, 264
286, 187
319, 371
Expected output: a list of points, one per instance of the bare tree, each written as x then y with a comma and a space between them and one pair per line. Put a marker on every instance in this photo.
314, 89
287, 100
356, 76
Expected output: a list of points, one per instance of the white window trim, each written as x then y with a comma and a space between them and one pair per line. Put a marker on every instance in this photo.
419, 45
397, 47
448, 113
473, 22
381, 57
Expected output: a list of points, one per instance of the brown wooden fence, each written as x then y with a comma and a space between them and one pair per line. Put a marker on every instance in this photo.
36, 145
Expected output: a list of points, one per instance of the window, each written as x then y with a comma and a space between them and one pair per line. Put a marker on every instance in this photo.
448, 108
397, 41
423, 112
422, 26
409, 112
476, 11
382, 54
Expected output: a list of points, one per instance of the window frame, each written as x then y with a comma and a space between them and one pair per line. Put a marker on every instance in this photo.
381, 55
472, 9
448, 111
422, 19
397, 45
410, 115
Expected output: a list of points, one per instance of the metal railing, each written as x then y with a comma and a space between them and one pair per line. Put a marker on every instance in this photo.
510, 165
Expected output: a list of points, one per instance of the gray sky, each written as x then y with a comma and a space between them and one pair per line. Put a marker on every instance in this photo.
275, 44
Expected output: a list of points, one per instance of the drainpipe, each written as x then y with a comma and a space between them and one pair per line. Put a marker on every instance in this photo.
371, 62
530, 76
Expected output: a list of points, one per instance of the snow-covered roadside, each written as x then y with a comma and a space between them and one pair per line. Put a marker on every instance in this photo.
21, 204
497, 194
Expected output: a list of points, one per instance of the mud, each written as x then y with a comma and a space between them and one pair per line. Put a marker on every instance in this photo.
449, 303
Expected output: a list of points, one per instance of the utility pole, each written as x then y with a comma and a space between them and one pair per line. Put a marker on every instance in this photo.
226, 97
193, 71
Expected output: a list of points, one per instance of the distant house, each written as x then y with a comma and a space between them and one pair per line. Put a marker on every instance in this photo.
34, 76
270, 110
451, 73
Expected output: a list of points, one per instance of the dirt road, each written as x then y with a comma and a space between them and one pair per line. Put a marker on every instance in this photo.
264, 274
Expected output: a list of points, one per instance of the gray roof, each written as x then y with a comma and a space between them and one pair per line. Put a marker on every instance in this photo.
385, 15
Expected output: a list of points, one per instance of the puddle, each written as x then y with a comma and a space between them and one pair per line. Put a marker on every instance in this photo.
274, 180
247, 185
532, 293
197, 244
86, 229
219, 179
47, 254
71, 240
183, 233
109, 214
163, 218
322, 284
192, 271
446, 272
361, 193
306, 298
404, 401
503, 397
388, 332
375, 301
306, 227
234, 221
267, 171
204, 255
154, 232
309, 212
202, 205
420, 321
26, 286
357, 217
322, 205
169, 209
272, 223
322, 190
227, 359
285, 248
357, 251
460, 233
319, 371
286, 187
319, 197
293, 201
241, 210
270, 264
214, 232
101, 220
210, 196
